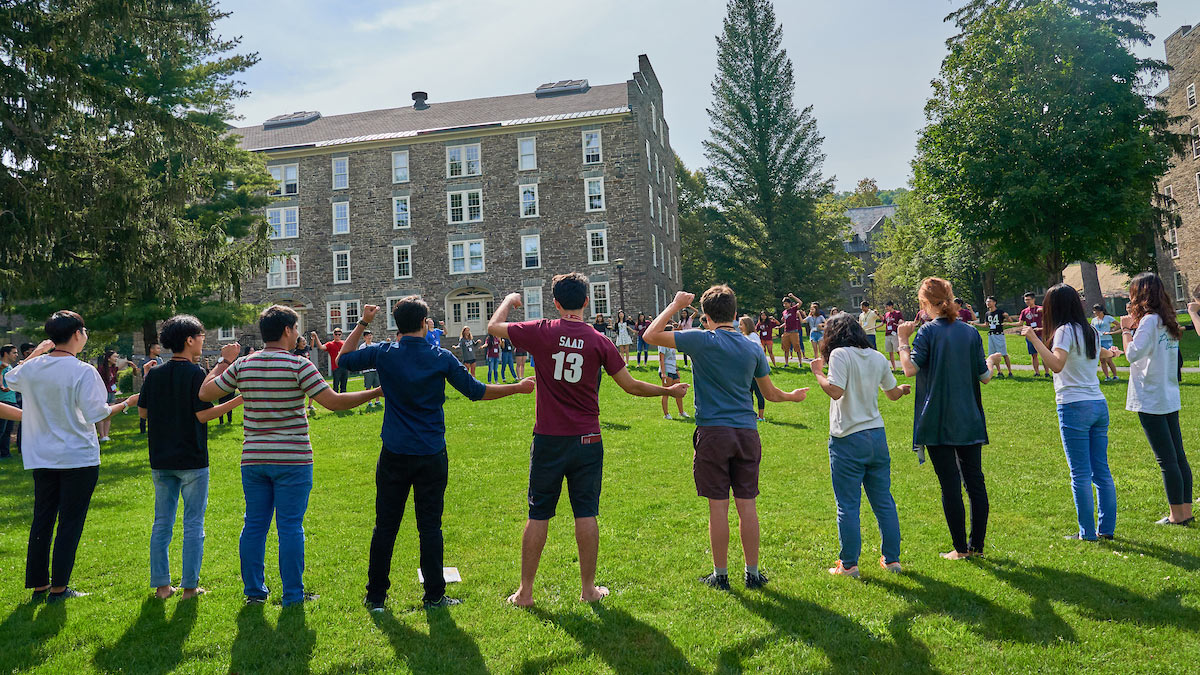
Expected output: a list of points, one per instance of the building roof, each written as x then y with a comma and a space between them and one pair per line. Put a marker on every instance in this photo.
408, 122
1113, 284
865, 219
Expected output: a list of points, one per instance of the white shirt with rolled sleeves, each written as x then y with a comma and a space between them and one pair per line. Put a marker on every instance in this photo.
63, 399
861, 374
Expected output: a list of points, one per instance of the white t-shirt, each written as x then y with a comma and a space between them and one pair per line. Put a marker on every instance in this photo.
1153, 362
63, 398
363, 345
861, 373
669, 358
1077, 381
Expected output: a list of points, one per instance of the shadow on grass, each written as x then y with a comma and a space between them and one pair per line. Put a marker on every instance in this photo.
846, 644
258, 648
614, 426
446, 649
1181, 559
24, 633
1098, 599
624, 643
152, 644
781, 423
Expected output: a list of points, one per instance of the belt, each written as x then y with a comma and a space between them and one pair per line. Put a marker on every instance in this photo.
589, 439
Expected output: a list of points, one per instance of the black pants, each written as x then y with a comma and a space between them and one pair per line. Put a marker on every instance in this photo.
958, 465
6, 429
1167, 443
62, 494
426, 476
340, 377
762, 403
19, 425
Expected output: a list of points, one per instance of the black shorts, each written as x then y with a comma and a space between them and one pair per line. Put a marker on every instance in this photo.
579, 459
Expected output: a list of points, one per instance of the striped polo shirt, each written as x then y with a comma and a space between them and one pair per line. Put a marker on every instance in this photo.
273, 384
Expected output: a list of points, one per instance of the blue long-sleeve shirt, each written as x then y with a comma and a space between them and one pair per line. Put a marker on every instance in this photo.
413, 374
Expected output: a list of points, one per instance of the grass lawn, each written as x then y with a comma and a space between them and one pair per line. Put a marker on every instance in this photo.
1035, 603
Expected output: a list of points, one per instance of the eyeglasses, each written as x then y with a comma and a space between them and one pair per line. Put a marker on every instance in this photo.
84, 330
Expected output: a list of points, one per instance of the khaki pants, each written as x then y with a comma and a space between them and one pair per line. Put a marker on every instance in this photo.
791, 342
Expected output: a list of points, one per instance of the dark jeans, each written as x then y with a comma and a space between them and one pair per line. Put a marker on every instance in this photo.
6, 429
958, 465
395, 475
1167, 443
19, 425
762, 402
62, 495
340, 377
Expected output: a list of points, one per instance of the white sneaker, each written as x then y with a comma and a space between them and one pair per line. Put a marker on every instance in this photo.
683, 415
105, 439
666, 417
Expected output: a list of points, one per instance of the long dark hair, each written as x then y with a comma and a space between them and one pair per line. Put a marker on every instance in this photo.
842, 331
1063, 307
1147, 295
103, 364
641, 317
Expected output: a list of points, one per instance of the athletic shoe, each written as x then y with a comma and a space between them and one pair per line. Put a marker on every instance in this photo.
840, 571
105, 439
1075, 537
1168, 521
38, 596
443, 601
756, 581
717, 581
66, 594
666, 417
761, 419
893, 567
373, 606
255, 600
684, 415
1106, 537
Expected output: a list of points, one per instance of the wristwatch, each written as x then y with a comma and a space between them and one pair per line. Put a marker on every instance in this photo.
364, 324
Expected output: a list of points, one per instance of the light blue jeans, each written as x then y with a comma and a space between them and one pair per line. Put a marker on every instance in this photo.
857, 462
168, 485
280, 490
1084, 429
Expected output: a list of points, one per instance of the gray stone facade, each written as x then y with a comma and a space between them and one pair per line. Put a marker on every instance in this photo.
563, 222
1180, 263
865, 224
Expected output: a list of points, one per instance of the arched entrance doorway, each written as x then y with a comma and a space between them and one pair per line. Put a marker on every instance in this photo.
470, 307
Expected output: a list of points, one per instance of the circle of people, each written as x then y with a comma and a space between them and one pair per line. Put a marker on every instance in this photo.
63, 398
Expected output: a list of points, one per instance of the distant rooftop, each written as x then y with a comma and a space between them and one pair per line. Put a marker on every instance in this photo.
865, 219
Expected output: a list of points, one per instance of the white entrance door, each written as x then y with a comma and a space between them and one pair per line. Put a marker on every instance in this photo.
470, 307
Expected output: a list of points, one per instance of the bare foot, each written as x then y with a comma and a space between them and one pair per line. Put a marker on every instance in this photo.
597, 593
189, 593
955, 555
520, 599
164, 592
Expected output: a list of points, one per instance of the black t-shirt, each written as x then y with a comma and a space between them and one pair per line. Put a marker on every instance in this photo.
995, 321
170, 395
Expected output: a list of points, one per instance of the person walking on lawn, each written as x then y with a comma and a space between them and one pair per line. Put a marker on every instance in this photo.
277, 472
727, 447
177, 436
414, 375
340, 376
568, 356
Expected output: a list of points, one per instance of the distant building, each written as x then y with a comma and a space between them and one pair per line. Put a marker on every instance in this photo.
1179, 254
463, 202
866, 223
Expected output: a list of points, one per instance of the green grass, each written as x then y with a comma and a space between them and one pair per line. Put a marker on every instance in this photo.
1034, 603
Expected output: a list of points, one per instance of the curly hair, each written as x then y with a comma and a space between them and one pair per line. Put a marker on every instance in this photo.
843, 330
1148, 295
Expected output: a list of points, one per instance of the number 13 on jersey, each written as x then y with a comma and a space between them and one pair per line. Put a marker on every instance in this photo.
568, 367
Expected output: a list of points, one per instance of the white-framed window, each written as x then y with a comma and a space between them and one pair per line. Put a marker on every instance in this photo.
464, 206
341, 173
532, 302
400, 166
593, 190
1169, 191
463, 160
287, 176
658, 168
657, 306
1198, 187
858, 280
466, 257
341, 267
531, 251
401, 218
283, 271
1173, 242
660, 212
526, 154
654, 118
649, 166
675, 222
1195, 141
662, 255
597, 246
225, 334
529, 200
402, 262
667, 265
341, 314
856, 300
591, 147
341, 217
1180, 287
600, 298
653, 250
1191, 95
390, 304
284, 223
650, 201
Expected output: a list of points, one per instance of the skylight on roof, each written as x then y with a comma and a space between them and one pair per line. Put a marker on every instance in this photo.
292, 119
562, 87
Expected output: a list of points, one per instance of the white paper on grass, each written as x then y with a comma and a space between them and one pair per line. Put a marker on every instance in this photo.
450, 573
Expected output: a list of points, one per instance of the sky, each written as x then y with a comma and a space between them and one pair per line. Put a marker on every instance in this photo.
864, 65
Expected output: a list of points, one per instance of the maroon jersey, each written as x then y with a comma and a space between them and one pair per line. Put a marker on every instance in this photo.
891, 321
493, 347
965, 315
922, 317
642, 326
766, 329
567, 358
1032, 317
792, 318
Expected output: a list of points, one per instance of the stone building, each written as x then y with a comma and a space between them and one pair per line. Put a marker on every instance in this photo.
463, 202
1179, 254
865, 224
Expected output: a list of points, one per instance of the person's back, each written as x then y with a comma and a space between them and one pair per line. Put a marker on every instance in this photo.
724, 365
861, 373
273, 383
949, 355
1153, 362
176, 439
1077, 379
63, 398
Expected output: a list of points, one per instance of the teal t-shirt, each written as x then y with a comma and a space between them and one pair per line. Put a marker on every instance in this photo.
724, 364
9, 397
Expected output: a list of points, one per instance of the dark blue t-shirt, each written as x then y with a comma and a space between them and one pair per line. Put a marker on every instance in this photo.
948, 406
413, 374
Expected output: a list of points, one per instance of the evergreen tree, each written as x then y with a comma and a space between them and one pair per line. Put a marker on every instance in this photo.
765, 158
121, 195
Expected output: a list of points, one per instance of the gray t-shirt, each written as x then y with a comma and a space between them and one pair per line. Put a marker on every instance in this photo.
669, 359
467, 347
724, 364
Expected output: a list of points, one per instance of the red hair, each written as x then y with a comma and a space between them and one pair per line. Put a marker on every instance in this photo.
937, 298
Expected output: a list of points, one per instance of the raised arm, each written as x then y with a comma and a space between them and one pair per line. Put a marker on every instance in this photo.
498, 324
655, 334
368, 315
313, 339
210, 390
905, 331
637, 387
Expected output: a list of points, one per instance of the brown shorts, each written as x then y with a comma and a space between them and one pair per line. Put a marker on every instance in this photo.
726, 457
791, 341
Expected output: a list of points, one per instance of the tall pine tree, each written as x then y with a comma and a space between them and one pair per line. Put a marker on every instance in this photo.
765, 159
